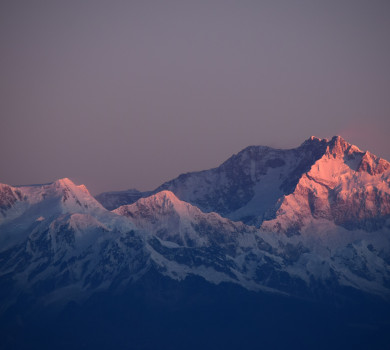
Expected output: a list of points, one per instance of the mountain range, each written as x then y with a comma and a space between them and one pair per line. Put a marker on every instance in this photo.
309, 224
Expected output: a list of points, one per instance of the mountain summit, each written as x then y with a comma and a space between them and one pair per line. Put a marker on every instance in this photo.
292, 229
345, 186
286, 190
171, 219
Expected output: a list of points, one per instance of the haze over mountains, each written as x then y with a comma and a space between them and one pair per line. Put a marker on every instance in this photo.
311, 223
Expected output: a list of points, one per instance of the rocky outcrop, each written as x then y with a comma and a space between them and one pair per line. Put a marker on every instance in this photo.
345, 186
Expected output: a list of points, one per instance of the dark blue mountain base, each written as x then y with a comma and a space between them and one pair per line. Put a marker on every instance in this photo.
160, 313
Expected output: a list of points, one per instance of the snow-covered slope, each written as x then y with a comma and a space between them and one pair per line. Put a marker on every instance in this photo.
246, 187
282, 190
58, 197
182, 240
24, 207
171, 219
70, 258
345, 186
319, 218
57, 241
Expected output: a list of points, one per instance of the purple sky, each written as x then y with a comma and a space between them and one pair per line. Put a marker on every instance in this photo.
122, 94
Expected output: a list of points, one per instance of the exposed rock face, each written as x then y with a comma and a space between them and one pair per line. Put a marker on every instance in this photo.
322, 213
345, 185
171, 219
246, 187
284, 190
61, 196
8, 197
373, 164
323, 236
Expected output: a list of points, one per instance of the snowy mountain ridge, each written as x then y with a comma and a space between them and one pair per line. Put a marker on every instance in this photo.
14, 200
266, 187
302, 222
346, 186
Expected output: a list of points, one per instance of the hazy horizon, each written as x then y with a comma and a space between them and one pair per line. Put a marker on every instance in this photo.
129, 94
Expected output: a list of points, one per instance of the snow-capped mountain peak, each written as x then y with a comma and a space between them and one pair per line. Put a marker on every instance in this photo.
65, 192
23, 208
169, 218
161, 203
258, 184
75, 197
68, 184
345, 186
296, 221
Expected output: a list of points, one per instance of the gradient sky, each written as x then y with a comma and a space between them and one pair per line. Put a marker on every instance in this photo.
128, 94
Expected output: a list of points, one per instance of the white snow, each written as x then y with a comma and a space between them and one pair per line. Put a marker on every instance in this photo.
76, 228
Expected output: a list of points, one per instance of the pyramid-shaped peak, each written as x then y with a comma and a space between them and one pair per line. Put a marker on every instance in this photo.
338, 147
338, 140
163, 198
65, 182
69, 184
165, 194
162, 202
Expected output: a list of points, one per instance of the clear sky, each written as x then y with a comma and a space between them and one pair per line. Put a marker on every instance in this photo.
129, 94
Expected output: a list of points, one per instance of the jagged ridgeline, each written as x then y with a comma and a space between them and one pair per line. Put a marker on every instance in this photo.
322, 178
267, 241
